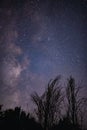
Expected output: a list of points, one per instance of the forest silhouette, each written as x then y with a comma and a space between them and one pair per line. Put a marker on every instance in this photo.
58, 108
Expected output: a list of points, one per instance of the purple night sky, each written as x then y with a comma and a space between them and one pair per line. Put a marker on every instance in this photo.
40, 39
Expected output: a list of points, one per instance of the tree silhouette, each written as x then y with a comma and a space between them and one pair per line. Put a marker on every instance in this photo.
49, 108
70, 93
48, 105
17, 119
75, 102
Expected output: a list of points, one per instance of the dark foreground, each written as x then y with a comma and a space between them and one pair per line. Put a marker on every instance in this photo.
17, 119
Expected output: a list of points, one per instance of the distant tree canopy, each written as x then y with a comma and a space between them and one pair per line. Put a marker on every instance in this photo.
17, 119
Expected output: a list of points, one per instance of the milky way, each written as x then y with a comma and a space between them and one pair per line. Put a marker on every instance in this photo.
40, 39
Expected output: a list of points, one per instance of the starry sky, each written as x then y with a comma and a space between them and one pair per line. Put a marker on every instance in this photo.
40, 39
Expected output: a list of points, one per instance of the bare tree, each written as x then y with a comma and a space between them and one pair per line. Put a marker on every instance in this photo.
48, 105
70, 93
75, 102
38, 101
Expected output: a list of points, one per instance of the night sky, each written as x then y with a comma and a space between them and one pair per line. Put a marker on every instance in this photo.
40, 39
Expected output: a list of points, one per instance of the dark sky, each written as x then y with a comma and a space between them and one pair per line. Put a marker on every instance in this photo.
40, 39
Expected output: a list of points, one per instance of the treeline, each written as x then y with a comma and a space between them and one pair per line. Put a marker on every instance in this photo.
58, 108
17, 119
